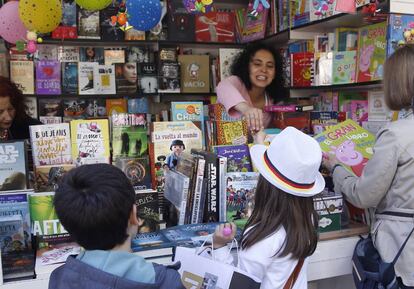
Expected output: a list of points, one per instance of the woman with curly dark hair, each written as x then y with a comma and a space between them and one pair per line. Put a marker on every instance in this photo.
257, 80
14, 121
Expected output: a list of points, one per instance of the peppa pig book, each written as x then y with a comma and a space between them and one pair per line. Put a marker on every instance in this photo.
349, 143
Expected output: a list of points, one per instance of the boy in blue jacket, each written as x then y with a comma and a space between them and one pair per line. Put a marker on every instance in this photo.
96, 205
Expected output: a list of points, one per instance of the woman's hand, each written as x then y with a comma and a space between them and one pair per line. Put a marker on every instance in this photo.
252, 115
221, 236
259, 137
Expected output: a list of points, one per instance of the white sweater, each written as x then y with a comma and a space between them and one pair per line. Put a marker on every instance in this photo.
259, 260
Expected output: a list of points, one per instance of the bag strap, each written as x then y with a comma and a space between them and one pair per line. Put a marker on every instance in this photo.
294, 276
402, 247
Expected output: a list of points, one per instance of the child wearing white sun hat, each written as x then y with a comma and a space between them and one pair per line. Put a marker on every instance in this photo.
282, 230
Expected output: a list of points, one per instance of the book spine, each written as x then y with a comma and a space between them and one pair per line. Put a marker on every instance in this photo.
280, 108
181, 217
198, 190
222, 192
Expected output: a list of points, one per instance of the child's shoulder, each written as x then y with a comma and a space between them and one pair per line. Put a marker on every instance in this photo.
168, 277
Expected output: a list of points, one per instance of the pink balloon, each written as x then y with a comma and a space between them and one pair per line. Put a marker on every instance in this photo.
11, 27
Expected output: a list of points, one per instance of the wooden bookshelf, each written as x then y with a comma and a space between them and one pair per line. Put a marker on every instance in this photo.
353, 229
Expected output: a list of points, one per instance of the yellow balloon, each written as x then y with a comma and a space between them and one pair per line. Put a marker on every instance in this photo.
93, 4
42, 16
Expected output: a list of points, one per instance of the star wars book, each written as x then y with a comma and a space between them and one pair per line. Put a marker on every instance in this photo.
13, 166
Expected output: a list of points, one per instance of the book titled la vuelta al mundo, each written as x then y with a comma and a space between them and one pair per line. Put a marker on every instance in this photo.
349, 143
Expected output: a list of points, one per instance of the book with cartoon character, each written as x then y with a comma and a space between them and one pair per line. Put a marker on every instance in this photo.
195, 73
372, 52
400, 31
90, 141
349, 143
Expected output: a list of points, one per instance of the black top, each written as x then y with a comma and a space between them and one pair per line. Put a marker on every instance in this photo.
20, 128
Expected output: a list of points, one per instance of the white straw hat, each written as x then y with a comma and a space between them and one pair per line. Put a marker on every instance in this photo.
291, 163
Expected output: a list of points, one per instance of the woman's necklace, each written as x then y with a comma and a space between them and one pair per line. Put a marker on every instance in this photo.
4, 134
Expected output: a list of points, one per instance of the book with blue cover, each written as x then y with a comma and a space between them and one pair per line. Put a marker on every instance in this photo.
238, 157
69, 77
399, 31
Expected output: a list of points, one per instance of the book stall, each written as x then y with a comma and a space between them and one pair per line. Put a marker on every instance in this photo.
111, 84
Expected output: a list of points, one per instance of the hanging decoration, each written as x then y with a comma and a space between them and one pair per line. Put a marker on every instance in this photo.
12, 28
40, 16
198, 6
144, 14
31, 44
121, 18
256, 7
93, 5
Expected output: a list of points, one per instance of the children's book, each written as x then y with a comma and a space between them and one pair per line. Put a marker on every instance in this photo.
372, 48
359, 110
13, 166
148, 210
349, 143
344, 67
400, 28
90, 141
322, 119
47, 178
254, 25
129, 135
240, 192
238, 157
22, 74
51, 144
320, 9
195, 73
104, 79
188, 111
48, 77
69, 77
215, 26
231, 132
163, 134
302, 69
137, 171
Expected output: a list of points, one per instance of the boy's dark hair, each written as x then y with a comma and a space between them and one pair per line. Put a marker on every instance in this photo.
94, 203
275, 208
240, 68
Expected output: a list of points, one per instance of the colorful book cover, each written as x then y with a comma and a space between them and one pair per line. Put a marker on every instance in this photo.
13, 166
17, 203
67, 27
116, 106
400, 27
346, 38
43, 217
359, 110
218, 112
302, 69
104, 79
231, 132
148, 210
238, 157
240, 192
47, 178
68, 54
195, 73
215, 26
188, 111
344, 67
138, 105
22, 74
69, 77
137, 171
11, 234
320, 9
372, 44
90, 141
163, 135
345, 98
254, 25
110, 32
86, 82
322, 119
51, 144
48, 77
129, 135
349, 143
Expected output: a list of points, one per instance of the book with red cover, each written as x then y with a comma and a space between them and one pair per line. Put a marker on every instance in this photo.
299, 120
302, 69
215, 27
